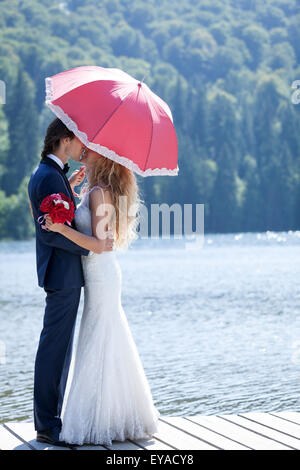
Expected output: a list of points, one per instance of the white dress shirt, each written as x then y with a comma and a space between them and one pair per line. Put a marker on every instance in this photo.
56, 159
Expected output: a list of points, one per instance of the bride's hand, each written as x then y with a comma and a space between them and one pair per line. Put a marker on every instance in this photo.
76, 178
52, 226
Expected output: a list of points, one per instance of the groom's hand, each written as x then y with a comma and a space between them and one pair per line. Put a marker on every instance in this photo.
30, 207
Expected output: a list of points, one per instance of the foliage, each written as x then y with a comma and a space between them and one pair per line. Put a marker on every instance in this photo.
224, 67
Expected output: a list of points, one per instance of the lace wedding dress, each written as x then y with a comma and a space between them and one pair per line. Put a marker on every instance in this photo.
107, 394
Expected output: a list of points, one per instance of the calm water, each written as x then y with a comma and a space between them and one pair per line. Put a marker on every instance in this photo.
217, 327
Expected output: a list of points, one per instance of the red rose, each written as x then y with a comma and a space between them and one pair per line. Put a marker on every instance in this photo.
59, 206
47, 204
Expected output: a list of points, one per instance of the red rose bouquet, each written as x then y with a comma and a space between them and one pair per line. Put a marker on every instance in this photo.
59, 207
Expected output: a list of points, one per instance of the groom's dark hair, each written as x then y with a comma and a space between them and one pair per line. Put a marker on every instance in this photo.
55, 131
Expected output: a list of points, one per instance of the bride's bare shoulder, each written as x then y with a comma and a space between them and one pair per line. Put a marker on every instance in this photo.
97, 194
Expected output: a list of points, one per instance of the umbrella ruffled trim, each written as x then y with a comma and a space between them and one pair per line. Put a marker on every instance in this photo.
106, 152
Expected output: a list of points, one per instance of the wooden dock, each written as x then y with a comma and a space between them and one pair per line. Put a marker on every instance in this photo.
246, 431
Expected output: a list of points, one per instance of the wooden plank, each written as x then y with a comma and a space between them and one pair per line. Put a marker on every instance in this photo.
288, 415
209, 436
179, 439
255, 430
90, 447
237, 433
265, 431
27, 433
10, 442
152, 444
123, 445
274, 422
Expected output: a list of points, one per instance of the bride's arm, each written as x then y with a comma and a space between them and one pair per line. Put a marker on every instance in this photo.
98, 242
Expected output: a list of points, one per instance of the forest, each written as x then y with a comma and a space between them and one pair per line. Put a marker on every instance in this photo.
225, 68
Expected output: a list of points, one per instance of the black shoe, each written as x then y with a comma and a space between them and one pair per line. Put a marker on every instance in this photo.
51, 436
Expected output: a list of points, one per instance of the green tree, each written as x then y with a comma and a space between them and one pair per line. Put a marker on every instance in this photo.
256, 40
23, 129
267, 97
224, 204
224, 151
4, 142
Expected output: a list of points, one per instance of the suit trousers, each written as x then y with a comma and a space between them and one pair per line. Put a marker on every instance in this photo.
54, 355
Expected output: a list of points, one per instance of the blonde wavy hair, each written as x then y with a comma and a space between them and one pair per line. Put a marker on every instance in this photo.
121, 182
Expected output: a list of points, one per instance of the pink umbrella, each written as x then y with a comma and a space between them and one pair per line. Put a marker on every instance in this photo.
117, 116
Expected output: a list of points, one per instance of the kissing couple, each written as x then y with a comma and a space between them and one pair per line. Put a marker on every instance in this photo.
99, 392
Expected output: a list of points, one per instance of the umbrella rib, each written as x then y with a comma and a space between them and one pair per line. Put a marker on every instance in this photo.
151, 133
111, 114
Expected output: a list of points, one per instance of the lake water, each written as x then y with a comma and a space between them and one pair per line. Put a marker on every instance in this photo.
217, 326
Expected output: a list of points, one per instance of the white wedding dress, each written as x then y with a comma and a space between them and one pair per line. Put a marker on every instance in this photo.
107, 395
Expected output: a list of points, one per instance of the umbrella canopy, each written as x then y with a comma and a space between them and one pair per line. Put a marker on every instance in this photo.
117, 116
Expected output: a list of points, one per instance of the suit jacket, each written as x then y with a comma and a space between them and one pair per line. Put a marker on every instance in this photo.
58, 259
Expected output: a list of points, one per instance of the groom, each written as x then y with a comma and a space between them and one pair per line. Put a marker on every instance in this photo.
60, 274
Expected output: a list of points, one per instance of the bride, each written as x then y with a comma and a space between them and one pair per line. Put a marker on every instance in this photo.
107, 396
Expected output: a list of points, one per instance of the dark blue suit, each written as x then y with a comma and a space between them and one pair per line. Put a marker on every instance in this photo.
60, 273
